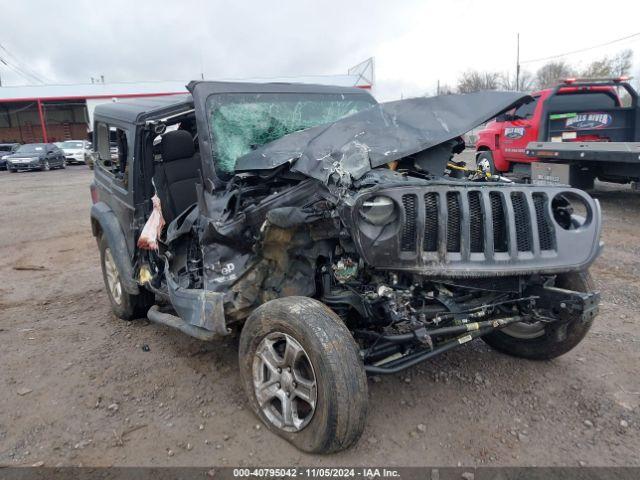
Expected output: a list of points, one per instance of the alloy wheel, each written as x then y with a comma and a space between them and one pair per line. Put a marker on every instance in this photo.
284, 382
113, 277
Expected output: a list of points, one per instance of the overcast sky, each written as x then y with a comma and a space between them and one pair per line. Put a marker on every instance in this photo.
414, 43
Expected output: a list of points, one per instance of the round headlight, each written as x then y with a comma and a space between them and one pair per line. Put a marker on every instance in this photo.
379, 210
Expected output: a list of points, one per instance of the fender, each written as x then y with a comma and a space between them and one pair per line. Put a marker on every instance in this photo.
103, 219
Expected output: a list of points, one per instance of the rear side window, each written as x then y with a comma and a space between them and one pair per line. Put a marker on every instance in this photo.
570, 102
112, 150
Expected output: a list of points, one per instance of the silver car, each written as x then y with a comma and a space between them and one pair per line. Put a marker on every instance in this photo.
75, 151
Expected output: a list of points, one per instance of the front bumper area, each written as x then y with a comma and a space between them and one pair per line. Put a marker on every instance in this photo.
24, 166
477, 230
76, 158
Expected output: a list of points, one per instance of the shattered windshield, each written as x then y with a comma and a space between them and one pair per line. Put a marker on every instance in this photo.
240, 123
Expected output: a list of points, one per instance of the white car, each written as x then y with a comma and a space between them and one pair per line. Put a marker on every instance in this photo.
75, 151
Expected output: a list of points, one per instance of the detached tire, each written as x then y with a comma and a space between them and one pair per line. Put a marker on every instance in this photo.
303, 375
123, 304
485, 159
549, 341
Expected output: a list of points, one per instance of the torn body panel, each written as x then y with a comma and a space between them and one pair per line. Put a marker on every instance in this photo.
380, 134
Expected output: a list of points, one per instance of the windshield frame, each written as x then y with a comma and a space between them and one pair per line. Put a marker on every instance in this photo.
201, 90
214, 102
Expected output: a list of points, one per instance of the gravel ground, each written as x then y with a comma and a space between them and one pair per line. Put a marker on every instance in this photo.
77, 388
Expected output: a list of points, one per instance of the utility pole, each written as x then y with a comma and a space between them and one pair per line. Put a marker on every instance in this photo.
518, 62
438, 88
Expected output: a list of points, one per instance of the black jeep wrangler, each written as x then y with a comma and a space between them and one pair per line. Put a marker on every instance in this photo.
339, 236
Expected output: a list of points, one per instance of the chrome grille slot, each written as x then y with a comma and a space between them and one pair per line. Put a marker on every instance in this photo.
545, 230
476, 223
500, 235
522, 221
408, 240
454, 221
430, 240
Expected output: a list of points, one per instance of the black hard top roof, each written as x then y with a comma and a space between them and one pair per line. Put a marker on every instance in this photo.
136, 110
273, 87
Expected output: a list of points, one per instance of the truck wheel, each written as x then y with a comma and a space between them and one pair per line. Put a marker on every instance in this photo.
302, 373
540, 341
123, 304
484, 161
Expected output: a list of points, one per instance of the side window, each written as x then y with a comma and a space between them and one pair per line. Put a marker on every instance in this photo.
526, 111
102, 148
112, 149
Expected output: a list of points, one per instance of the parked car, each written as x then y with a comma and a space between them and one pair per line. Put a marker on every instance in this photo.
75, 151
6, 149
36, 156
328, 229
571, 134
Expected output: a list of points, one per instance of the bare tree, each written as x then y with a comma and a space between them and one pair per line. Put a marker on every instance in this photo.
526, 82
621, 63
552, 73
616, 66
474, 81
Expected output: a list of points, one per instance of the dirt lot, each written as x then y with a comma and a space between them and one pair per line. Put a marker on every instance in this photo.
77, 388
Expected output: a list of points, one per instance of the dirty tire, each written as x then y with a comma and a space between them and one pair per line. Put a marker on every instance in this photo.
341, 405
548, 346
486, 155
129, 306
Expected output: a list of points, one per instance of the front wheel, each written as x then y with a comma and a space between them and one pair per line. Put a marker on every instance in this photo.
46, 167
544, 341
302, 373
484, 162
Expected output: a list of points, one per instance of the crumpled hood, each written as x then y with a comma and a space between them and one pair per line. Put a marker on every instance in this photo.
384, 133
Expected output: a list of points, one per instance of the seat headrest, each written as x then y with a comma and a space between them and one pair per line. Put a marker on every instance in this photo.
177, 144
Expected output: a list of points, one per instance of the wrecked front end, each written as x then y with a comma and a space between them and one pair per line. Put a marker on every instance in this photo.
365, 215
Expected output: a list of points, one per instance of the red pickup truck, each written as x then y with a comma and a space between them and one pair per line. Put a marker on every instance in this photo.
573, 133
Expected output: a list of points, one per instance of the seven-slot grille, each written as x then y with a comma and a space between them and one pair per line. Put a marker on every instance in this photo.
483, 221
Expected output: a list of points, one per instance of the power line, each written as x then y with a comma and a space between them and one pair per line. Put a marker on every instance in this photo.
582, 49
20, 71
10, 66
20, 65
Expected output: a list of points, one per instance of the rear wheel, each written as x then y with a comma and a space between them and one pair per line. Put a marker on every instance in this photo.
123, 304
302, 373
544, 341
46, 167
